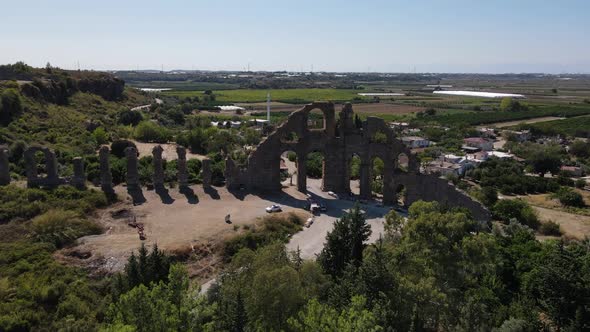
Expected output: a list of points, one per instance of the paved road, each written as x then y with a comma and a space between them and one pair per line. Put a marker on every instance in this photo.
311, 240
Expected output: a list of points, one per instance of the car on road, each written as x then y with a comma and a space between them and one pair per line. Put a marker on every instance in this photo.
309, 222
274, 208
323, 207
333, 194
314, 208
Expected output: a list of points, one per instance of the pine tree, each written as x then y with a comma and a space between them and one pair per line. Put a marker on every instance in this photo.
240, 318
158, 265
144, 275
132, 271
345, 244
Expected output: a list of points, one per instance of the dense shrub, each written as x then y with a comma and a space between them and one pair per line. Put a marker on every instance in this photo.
569, 197
270, 229
21, 203
148, 131
509, 178
10, 106
118, 147
508, 209
550, 228
130, 118
60, 227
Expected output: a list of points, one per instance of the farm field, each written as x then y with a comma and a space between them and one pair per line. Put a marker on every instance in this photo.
577, 126
183, 86
291, 96
362, 108
528, 121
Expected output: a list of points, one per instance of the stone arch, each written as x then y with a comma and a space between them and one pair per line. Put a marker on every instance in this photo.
289, 166
329, 115
401, 195
353, 172
402, 162
33, 179
377, 170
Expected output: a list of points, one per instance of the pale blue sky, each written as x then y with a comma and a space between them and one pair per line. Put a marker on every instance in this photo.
375, 35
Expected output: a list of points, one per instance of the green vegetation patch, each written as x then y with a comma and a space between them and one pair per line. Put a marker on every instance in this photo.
21, 203
289, 96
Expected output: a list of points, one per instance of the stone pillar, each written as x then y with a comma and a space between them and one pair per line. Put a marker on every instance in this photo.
51, 167
182, 170
206, 172
413, 166
31, 166
334, 169
33, 180
4, 167
302, 172
79, 178
158, 178
365, 180
132, 174
388, 185
106, 179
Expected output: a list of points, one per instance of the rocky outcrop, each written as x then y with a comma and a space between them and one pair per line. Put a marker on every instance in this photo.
106, 86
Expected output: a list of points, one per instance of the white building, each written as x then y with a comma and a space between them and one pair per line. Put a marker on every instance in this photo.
415, 142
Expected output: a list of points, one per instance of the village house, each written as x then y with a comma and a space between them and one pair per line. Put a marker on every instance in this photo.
487, 132
444, 168
480, 143
415, 142
573, 170
518, 135
225, 124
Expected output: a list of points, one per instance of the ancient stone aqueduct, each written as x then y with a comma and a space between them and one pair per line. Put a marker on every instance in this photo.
338, 141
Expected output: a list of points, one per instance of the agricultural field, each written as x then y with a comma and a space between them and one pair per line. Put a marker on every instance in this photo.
182, 85
291, 96
576, 126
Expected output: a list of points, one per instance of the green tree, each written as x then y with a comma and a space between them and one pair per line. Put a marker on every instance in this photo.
10, 106
545, 161
320, 317
148, 131
560, 286
508, 209
488, 196
345, 243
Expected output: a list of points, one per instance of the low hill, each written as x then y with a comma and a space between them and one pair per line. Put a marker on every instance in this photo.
61, 108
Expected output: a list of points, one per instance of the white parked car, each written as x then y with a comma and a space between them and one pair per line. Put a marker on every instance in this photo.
274, 208
333, 194
309, 222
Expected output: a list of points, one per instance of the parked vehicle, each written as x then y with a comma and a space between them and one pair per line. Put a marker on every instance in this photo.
274, 208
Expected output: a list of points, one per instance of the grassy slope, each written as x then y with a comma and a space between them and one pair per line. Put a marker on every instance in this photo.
64, 127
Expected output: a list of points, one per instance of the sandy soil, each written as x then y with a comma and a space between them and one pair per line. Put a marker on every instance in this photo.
145, 149
176, 221
517, 122
571, 224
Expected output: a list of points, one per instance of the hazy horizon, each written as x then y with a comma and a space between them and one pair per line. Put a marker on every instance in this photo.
457, 36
